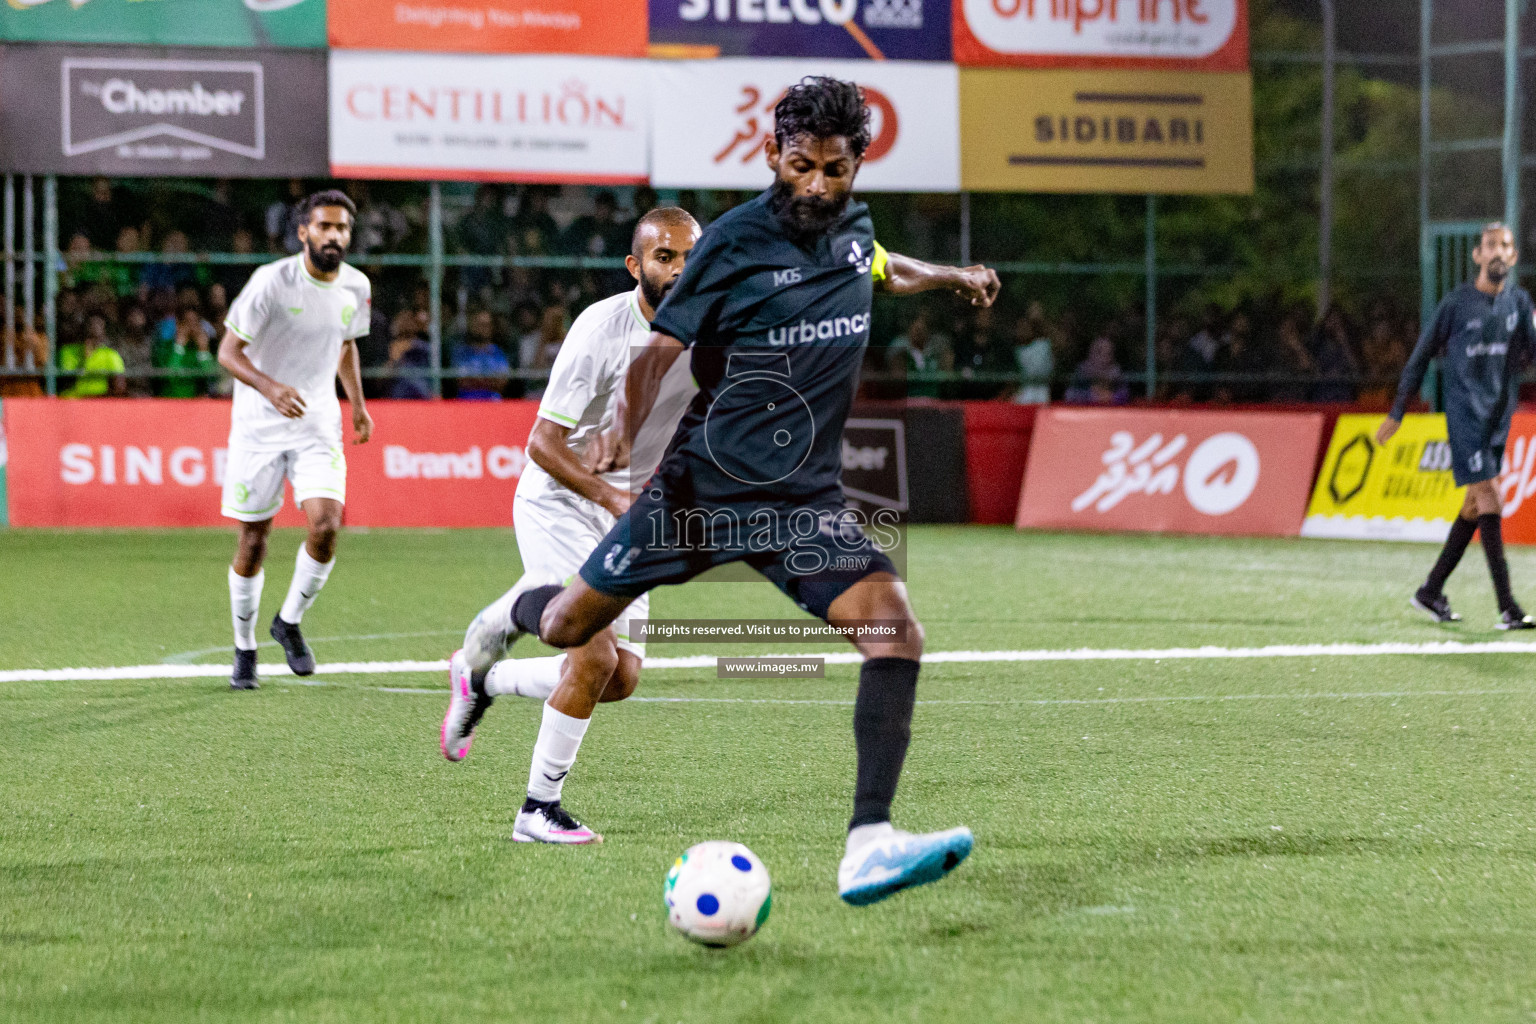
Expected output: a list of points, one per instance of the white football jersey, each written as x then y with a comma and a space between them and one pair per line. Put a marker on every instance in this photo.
588, 370
293, 326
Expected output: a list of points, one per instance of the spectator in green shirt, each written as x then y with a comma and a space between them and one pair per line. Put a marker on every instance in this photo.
96, 363
186, 354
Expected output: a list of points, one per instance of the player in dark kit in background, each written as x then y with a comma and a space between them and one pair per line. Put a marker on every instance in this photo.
774, 309
1485, 333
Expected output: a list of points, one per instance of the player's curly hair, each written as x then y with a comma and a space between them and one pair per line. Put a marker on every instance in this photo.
326, 197
822, 107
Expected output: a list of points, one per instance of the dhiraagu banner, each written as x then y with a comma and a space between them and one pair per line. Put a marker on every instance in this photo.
166, 22
1398, 491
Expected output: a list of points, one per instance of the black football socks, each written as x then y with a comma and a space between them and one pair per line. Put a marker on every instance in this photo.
1450, 555
1491, 527
882, 729
529, 608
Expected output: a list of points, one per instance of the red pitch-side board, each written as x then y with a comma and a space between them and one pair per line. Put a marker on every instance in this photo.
160, 462
1241, 473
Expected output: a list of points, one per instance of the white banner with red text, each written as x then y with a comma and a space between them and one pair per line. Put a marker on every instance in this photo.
488, 117
160, 462
711, 118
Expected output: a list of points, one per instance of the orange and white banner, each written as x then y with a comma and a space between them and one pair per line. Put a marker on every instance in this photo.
711, 118
1241, 473
1185, 35
609, 27
488, 118
1517, 482
149, 462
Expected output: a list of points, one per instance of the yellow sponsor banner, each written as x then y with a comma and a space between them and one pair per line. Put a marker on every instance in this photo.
1167, 132
1398, 491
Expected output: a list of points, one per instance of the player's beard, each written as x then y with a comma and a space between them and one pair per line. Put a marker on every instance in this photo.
1497, 270
325, 258
655, 291
805, 218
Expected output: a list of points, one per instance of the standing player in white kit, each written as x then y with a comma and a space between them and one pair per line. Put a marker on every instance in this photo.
291, 332
562, 510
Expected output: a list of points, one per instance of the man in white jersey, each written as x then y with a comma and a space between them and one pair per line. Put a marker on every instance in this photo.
562, 510
291, 332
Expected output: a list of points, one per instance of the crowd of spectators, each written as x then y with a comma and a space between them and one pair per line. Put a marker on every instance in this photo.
139, 314
1242, 356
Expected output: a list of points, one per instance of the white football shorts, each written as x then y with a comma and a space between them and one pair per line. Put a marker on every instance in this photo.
556, 533
253, 481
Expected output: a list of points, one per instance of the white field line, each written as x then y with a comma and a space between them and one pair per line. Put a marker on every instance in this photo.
187, 657
342, 668
1022, 701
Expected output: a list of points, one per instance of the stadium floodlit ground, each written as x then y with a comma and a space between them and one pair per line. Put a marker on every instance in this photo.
1294, 837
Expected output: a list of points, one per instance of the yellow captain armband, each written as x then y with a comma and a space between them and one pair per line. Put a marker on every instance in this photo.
878, 264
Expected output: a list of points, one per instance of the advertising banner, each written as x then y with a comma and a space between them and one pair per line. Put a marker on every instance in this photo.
852, 29
1517, 480
166, 22
4, 506
1188, 35
1237, 473
1106, 131
148, 462
875, 461
711, 118
476, 118
1404, 490
614, 28
161, 112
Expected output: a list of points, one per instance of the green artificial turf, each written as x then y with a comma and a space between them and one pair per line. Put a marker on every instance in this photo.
1307, 839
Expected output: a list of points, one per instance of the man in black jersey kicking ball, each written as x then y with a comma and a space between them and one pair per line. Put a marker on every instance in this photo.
1485, 335
773, 310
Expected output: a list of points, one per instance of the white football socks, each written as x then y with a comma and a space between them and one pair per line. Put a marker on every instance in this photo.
559, 739
244, 600
525, 677
308, 577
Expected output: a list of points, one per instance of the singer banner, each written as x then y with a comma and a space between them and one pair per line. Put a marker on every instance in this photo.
160, 462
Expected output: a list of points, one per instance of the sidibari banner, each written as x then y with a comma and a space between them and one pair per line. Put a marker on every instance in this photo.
1232, 473
852, 29
484, 118
1165, 132
1189, 35
166, 22
711, 119
1404, 490
601, 27
155, 112
148, 462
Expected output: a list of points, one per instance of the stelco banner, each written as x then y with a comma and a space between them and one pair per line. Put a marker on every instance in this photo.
161, 112
1190, 35
166, 22
143, 462
605, 27
857, 29
1106, 131
1404, 490
710, 120
412, 115
1243, 473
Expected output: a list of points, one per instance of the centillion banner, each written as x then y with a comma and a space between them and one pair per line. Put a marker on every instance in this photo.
1163, 132
1398, 491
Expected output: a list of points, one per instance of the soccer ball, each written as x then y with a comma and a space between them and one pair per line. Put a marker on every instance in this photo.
718, 893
